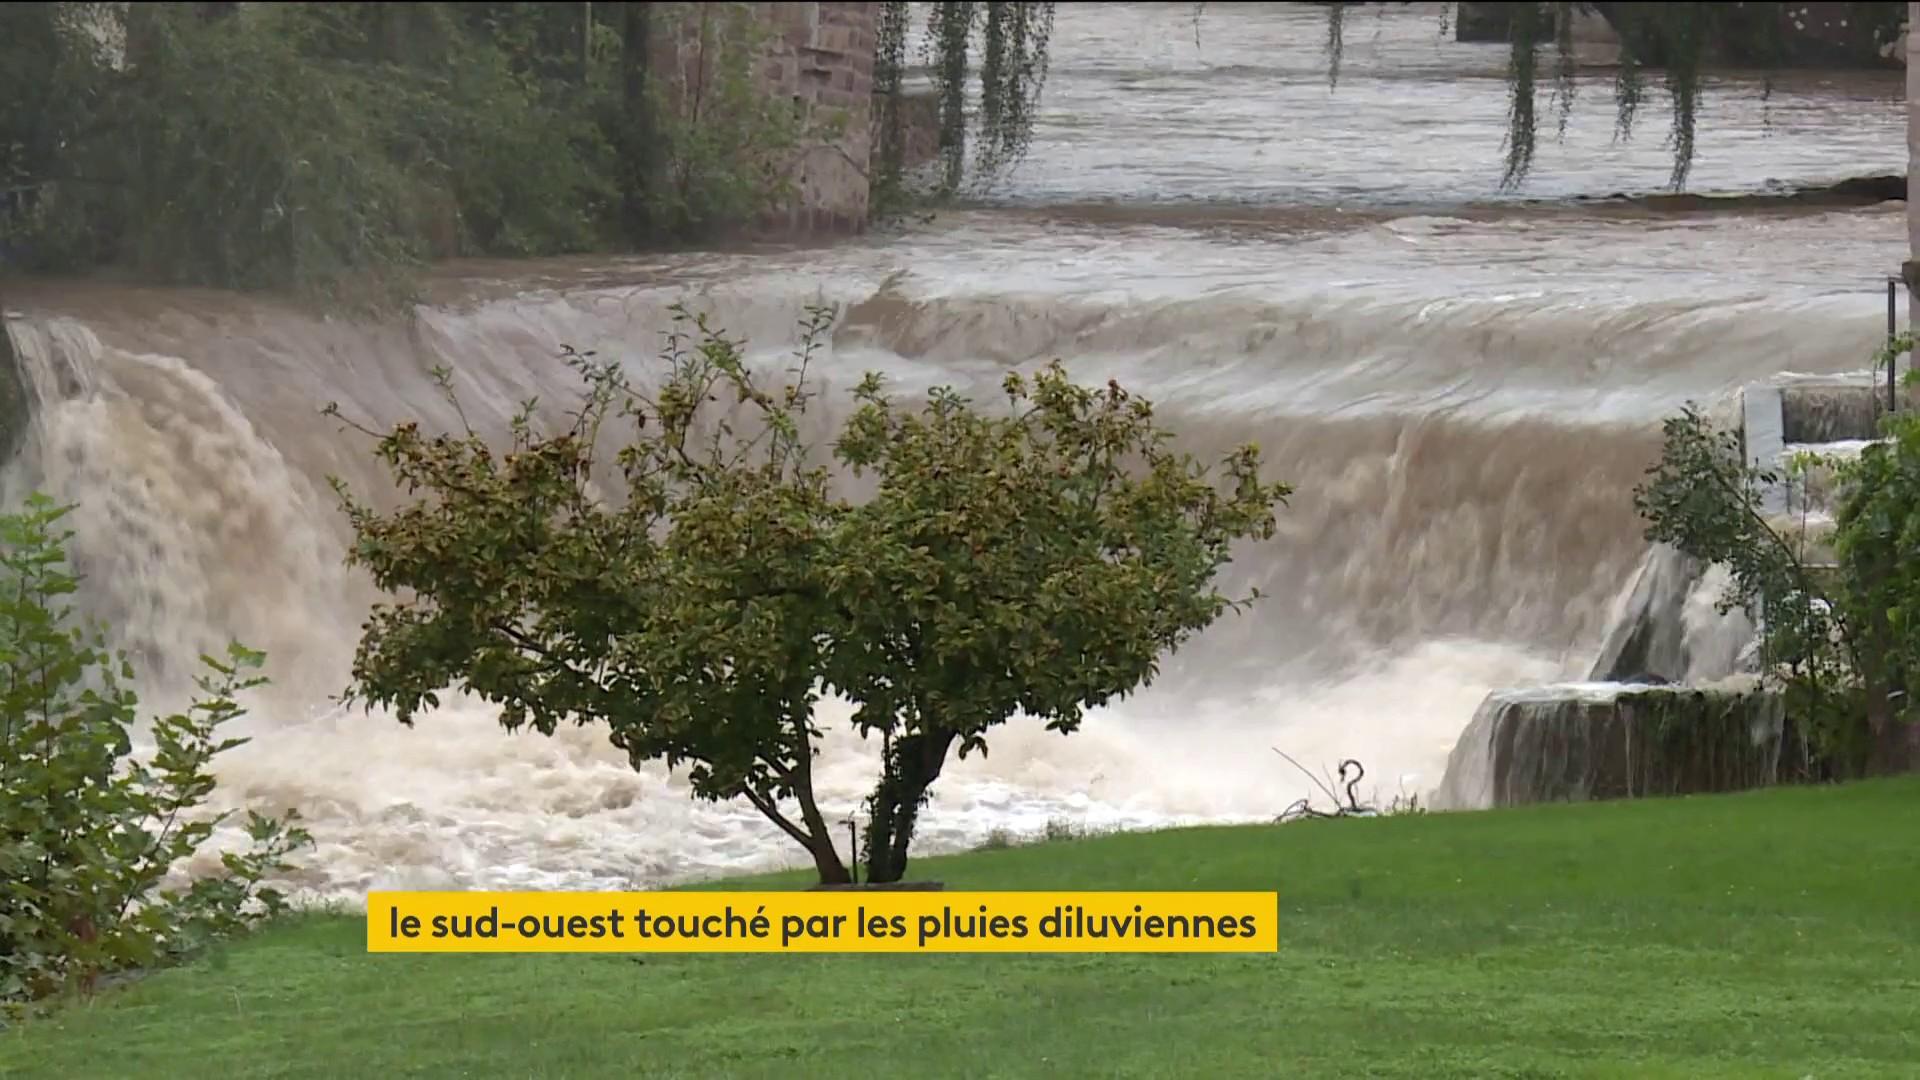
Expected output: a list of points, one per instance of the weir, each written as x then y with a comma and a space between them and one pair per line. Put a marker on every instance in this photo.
1463, 522
1463, 390
1672, 704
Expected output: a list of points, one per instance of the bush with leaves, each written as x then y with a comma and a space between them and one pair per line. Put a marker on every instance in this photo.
1036, 560
88, 829
1840, 640
1876, 529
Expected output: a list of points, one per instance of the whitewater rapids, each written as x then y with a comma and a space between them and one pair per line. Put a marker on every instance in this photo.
1462, 390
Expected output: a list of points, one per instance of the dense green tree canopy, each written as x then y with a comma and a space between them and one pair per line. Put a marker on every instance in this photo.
1036, 559
328, 148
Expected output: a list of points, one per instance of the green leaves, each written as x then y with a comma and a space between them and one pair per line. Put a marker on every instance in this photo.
88, 829
1839, 642
1037, 560
332, 149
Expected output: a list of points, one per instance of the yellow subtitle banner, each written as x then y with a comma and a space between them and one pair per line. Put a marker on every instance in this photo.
823, 922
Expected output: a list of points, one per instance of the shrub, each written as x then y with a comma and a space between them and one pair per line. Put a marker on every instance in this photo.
89, 830
1840, 642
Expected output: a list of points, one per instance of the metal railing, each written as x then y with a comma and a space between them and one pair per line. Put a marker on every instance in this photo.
1893, 331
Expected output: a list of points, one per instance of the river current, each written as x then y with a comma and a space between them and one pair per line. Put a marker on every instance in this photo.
1462, 384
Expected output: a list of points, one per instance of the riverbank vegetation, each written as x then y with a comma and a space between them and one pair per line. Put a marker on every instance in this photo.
1756, 934
1839, 613
330, 149
89, 829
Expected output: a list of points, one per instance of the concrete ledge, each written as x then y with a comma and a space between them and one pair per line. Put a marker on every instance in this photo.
1586, 741
1831, 412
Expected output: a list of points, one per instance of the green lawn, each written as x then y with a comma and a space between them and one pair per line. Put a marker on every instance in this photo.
1768, 934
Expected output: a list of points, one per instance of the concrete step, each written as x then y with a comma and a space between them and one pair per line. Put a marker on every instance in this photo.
1827, 417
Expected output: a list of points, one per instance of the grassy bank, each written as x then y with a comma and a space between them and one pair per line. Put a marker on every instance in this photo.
1766, 934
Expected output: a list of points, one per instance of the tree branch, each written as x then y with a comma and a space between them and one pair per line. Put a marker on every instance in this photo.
765, 805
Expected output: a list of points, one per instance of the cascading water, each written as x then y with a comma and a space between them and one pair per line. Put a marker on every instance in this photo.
1463, 401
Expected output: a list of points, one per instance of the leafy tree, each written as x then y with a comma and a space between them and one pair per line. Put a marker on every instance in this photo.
88, 829
1036, 560
1035, 564
1877, 524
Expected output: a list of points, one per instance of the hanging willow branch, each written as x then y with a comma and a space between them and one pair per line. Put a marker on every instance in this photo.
1563, 82
1678, 37
1011, 41
1525, 30
1627, 89
1011, 73
949, 39
1683, 83
1335, 43
889, 75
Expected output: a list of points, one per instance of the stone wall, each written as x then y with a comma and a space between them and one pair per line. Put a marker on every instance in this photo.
818, 56
824, 61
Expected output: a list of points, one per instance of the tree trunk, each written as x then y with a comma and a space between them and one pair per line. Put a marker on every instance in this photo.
816, 839
913, 764
826, 861
634, 138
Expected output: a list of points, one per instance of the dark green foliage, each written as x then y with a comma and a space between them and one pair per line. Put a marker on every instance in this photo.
949, 36
889, 74
1012, 69
1035, 566
1878, 526
89, 828
1839, 639
1704, 499
331, 148
722, 146
1525, 27
1035, 561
